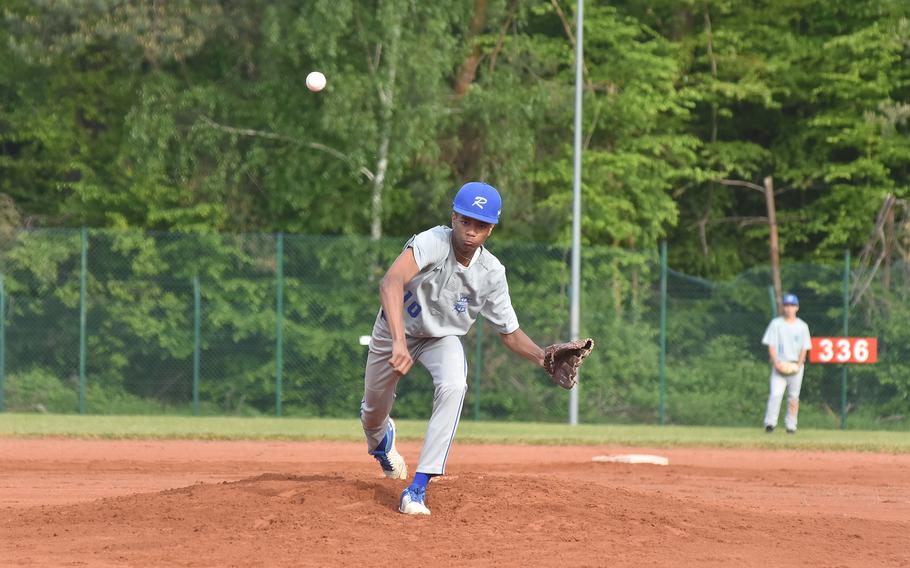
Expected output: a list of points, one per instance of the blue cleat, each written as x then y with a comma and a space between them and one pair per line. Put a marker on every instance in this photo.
413, 501
392, 464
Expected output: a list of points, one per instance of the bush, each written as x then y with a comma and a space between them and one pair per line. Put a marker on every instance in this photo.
38, 390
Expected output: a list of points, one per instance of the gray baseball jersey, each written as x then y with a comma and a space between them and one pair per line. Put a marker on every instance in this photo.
441, 303
789, 339
444, 298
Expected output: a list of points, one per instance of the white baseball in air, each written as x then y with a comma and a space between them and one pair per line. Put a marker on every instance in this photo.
315, 81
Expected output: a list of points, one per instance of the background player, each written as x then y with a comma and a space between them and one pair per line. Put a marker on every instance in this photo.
788, 340
431, 295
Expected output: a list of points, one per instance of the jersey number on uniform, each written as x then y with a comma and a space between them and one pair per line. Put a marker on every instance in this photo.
413, 309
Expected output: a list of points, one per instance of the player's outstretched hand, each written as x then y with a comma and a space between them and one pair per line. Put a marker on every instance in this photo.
562, 361
401, 360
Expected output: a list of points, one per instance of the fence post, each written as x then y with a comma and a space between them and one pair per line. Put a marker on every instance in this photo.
279, 320
843, 375
82, 293
2, 345
478, 368
663, 331
197, 309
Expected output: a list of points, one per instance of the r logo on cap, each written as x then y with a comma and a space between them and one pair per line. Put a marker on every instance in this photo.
479, 201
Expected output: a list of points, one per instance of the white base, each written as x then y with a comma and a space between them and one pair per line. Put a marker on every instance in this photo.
632, 458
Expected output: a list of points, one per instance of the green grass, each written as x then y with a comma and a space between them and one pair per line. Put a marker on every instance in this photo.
261, 428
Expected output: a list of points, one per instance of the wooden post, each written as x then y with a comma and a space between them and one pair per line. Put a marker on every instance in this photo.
775, 248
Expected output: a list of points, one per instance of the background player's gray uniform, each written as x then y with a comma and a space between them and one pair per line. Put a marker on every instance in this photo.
441, 304
789, 339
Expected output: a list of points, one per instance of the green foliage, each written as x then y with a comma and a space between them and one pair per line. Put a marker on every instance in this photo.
39, 390
722, 385
194, 118
140, 331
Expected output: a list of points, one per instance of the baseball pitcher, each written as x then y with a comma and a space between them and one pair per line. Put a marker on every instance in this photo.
431, 296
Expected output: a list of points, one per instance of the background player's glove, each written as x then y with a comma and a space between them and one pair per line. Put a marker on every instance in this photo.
562, 361
787, 368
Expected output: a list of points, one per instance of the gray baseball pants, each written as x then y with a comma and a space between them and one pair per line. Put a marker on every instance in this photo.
444, 358
778, 384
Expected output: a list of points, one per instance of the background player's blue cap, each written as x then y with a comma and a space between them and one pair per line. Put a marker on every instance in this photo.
790, 300
479, 201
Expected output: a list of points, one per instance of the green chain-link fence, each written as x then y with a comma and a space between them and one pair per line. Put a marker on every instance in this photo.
100, 321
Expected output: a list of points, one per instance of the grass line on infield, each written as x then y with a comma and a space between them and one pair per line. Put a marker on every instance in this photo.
262, 428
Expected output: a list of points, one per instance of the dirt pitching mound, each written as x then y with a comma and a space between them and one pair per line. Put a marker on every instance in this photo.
191, 503
507, 520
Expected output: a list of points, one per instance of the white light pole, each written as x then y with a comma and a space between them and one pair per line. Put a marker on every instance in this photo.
576, 204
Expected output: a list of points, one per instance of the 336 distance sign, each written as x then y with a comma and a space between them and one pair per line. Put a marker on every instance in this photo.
844, 350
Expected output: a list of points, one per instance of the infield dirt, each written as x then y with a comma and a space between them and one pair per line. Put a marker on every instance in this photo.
68, 502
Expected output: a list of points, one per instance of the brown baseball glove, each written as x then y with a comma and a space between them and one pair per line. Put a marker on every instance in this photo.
787, 368
562, 361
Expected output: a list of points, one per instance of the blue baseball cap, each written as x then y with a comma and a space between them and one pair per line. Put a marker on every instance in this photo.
790, 300
479, 201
